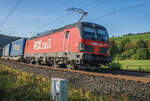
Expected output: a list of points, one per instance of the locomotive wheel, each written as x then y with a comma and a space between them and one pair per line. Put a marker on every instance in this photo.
56, 65
69, 66
39, 62
27, 61
32, 62
49, 64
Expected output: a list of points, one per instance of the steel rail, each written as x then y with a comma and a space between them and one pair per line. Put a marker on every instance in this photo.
109, 75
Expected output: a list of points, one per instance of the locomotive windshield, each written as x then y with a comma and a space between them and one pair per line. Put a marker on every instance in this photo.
95, 33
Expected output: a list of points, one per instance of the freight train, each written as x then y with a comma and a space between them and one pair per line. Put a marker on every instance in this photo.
79, 44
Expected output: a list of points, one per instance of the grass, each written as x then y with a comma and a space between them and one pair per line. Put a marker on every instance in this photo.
21, 86
134, 37
143, 65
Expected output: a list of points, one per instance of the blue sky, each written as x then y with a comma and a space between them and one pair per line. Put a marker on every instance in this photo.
33, 16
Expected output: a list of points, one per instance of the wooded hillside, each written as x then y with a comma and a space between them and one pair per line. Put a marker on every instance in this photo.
131, 46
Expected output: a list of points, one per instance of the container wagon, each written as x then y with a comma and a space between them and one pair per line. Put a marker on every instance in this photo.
17, 49
6, 51
1, 52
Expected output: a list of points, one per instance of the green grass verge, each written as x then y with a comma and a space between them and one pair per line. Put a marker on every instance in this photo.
142, 65
21, 86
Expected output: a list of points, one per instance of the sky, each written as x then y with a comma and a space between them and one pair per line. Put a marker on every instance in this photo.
33, 16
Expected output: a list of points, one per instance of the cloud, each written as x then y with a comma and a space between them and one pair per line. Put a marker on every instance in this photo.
137, 2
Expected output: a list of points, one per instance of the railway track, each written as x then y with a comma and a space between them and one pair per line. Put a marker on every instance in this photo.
125, 72
116, 74
136, 88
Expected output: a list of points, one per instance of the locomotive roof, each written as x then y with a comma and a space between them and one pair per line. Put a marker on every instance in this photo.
67, 27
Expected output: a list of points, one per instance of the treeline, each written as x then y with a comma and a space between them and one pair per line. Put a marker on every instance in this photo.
125, 49
129, 34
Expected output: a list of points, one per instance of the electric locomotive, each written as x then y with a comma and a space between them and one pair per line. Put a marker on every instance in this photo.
78, 44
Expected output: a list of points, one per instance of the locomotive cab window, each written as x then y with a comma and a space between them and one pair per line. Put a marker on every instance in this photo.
67, 34
89, 32
102, 34
96, 33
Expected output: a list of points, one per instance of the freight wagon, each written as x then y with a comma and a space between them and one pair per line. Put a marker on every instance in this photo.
1, 52
17, 49
6, 51
82, 43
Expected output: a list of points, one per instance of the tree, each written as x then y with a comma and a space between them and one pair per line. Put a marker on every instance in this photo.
141, 44
142, 51
113, 50
149, 52
122, 44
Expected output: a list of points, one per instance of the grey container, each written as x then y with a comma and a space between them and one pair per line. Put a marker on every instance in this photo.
6, 50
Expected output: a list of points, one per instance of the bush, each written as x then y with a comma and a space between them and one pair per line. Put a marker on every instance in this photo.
142, 53
141, 50
115, 65
149, 52
122, 44
134, 57
113, 50
141, 44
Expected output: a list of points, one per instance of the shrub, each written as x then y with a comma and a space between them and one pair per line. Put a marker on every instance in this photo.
134, 57
149, 52
115, 65
142, 53
113, 50
123, 43
141, 44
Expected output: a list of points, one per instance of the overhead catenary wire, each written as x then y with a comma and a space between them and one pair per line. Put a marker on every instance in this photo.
85, 6
49, 12
59, 6
108, 14
119, 11
11, 11
55, 8
46, 24
90, 4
